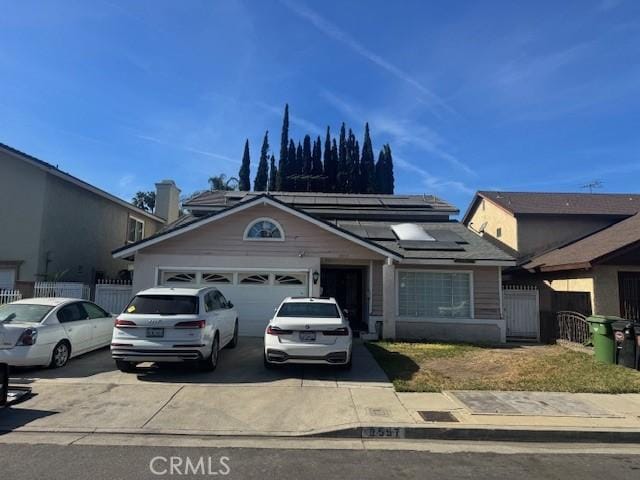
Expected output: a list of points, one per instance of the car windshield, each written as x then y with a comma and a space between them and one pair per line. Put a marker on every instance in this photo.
163, 305
308, 309
23, 312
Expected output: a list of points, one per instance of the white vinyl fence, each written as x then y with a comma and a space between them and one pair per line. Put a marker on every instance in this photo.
521, 310
8, 296
61, 289
113, 296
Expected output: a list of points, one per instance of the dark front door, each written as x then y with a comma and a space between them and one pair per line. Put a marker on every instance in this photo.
346, 286
629, 287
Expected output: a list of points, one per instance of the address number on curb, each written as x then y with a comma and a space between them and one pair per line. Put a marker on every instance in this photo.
382, 432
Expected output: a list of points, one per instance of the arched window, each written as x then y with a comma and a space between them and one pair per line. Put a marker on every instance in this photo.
264, 229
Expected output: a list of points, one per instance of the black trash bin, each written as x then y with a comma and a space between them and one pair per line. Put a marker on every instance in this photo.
4, 383
625, 337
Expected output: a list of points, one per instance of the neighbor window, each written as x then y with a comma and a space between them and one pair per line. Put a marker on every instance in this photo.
434, 294
135, 230
264, 229
498, 232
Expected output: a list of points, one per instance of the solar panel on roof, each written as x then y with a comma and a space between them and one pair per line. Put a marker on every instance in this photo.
429, 245
446, 236
379, 232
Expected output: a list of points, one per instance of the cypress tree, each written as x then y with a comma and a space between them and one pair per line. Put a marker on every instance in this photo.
318, 180
298, 184
291, 165
334, 160
352, 161
262, 176
273, 175
244, 180
342, 173
330, 164
306, 155
367, 165
384, 171
283, 168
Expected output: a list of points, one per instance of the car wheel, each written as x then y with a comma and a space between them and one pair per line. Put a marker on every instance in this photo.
124, 366
210, 363
348, 365
267, 364
60, 355
234, 341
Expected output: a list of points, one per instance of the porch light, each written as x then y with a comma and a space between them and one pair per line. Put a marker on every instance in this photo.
316, 277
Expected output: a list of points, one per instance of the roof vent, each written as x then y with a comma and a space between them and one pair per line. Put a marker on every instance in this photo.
411, 231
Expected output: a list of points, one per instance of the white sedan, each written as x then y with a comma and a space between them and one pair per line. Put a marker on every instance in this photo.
50, 331
308, 331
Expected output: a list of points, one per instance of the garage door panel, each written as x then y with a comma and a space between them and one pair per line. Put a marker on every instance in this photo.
256, 303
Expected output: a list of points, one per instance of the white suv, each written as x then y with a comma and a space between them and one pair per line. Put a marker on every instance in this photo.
309, 331
174, 325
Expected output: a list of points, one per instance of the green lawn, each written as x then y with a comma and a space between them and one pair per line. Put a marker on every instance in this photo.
432, 367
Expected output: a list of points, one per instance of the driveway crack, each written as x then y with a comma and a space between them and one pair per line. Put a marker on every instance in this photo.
162, 406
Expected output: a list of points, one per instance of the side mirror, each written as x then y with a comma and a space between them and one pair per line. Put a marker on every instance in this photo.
345, 312
229, 305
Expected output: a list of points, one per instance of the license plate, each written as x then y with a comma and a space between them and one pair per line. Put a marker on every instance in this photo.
155, 332
308, 336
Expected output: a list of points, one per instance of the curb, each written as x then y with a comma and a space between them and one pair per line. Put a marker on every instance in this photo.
476, 433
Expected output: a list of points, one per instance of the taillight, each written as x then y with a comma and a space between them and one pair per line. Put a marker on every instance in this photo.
121, 323
28, 337
191, 324
340, 332
278, 331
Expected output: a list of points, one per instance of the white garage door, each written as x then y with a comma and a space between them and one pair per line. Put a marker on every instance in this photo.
255, 294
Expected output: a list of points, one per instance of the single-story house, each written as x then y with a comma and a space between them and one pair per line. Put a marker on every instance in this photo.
398, 262
56, 225
582, 250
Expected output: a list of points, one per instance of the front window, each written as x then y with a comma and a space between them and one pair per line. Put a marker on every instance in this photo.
434, 294
308, 309
22, 312
135, 231
264, 229
163, 305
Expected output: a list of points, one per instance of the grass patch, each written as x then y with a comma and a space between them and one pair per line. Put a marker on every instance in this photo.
433, 367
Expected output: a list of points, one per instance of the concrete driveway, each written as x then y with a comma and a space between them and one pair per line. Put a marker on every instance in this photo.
240, 397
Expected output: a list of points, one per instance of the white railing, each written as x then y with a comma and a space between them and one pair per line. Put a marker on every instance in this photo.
113, 295
61, 289
8, 296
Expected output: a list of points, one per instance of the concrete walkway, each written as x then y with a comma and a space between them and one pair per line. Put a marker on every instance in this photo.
242, 398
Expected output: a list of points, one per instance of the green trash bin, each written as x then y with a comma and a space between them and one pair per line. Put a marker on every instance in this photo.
602, 335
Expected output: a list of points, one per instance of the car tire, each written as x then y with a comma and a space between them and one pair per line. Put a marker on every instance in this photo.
124, 366
234, 341
210, 363
60, 355
267, 364
348, 365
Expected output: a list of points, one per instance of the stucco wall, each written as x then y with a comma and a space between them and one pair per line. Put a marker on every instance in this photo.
539, 233
22, 198
495, 217
578, 282
607, 293
80, 229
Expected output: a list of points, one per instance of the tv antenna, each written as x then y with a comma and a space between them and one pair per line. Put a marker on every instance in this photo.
592, 185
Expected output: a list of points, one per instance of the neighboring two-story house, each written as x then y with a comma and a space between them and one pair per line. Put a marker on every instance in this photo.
582, 250
54, 225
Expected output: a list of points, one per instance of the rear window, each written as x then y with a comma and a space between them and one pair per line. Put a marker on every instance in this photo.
306, 309
163, 305
22, 312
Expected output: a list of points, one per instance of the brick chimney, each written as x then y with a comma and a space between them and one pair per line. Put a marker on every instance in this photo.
167, 200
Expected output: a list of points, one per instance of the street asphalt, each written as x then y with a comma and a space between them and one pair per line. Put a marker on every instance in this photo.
26, 461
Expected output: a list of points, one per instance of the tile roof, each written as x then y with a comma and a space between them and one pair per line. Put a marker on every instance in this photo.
622, 204
582, 253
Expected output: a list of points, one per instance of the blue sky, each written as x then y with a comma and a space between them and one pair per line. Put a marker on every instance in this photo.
470, 95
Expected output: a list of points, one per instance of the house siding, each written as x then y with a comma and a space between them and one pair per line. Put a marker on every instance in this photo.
80, 229
225, 237
22, 200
